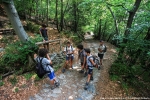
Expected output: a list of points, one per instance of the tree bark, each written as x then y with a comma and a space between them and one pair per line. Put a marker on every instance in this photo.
15, 20
62, 17
75, 16
115, 21
56, 16
147, 37
47, 11
99, 28
131, 16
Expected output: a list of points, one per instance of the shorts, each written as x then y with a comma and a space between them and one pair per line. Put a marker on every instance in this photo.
51, 75
90, 71
46, 38
100, 56
69, 57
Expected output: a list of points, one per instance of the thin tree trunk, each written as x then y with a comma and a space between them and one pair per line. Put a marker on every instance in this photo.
131, 16
15, 20
99, 28
104, 30
47, 11
147, 37
115, 21
56, 16
62, 17
75, 16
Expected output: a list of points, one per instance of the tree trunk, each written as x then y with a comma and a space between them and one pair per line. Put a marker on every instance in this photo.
147, 37
75, 16
131, 16
99, 28
115, 21
103, 32
15, 20
56, 16
47, 11
62, 17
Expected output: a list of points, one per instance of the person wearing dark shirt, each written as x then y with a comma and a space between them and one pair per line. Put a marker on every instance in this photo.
43, 33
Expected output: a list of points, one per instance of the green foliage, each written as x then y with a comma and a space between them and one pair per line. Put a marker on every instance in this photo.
1, 83
37, 78
132, 67
13, 80
76, 39
28, 75
16, 89
16, 55
6, 1
32, 27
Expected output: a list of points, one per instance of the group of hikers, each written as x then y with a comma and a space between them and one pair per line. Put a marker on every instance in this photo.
84, 55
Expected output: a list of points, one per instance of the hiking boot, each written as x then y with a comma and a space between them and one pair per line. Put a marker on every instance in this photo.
99, 67
52, 87
86, 86
85, 74
57, 84
81, 71
91, 78
63, 70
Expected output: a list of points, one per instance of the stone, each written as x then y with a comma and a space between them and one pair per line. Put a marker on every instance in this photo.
46, 90
31, 98
68, 86
2, 49
46, 85
37, 97
89, 97
91, 89
74, 86
70, 98
78, 98
57, 90
53, 95
61, 76
47, 99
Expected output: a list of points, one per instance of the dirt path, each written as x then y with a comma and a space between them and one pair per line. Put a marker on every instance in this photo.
72, 83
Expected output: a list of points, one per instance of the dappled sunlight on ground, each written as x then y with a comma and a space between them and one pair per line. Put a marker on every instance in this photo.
113, 50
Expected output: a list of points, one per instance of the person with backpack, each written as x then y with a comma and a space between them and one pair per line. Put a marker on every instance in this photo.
101, 51
69, 51
82, 57
43, 33
45, 61
89, 64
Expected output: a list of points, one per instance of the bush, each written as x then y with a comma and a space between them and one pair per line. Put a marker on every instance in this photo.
28, 76
16, 55
13, 80
132, 66
32, 27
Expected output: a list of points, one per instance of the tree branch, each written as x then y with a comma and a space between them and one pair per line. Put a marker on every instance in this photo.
119, 5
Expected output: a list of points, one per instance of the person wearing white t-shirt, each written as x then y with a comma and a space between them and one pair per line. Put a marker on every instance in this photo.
69, 51
101, 50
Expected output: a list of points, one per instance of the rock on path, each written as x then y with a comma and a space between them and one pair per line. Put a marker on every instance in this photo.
71, 84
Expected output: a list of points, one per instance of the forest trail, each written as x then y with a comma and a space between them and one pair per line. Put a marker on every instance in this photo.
72, 82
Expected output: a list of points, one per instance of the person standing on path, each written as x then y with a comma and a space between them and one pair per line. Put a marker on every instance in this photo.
102, 49
43, 33
82, 57
69, 51
89, 64
44, 58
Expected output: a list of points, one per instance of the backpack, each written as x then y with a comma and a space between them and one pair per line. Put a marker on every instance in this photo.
39, 69
71, 48
105, 48
95, 60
